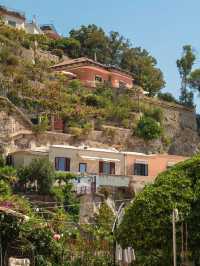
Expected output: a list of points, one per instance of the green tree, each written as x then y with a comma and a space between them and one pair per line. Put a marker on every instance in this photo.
185, 64
143, 67
105, 218
93, 41
42, 172
167, 96
194, 80
71, 203
114, 49
148, 128
69, 46
147, 222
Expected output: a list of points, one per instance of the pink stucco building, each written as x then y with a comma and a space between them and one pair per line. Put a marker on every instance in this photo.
91, 73
110, 166
144, 168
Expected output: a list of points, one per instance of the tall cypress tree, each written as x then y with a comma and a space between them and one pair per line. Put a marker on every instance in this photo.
185, 64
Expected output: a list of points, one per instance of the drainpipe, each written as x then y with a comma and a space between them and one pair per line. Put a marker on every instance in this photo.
125, 164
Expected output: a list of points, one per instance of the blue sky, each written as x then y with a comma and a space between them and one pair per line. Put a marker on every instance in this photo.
160, 26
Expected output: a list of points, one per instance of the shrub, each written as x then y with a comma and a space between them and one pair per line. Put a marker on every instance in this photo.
57, 194
87, 127
2, 161
8, 174
99, 123
61, 177
75, 86
155, 113
26, 44
126, 123
76, 132
12, 60
42, 126
105, 218
41, 170
118, 113
109, 133
5, 188
70, 201
93, 100
58, 52
8, 57
166, 140
168, 97
148, 128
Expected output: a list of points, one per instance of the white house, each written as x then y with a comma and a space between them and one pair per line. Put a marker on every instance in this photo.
12, 17
33, 28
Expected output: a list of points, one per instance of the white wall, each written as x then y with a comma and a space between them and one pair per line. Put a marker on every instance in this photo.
32, 28
92, 165
20, 23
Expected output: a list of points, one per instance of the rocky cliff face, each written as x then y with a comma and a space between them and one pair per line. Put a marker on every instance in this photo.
179, 124
181, 127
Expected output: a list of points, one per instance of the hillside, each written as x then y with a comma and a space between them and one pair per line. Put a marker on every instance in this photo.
100, 116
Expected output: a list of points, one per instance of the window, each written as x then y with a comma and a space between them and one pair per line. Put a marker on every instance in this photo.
82, 167
122, 84
62, 164
140, 169
107, 168
98, 79
12, 23
9, 160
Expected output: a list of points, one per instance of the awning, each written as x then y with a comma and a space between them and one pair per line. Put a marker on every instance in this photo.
67, 73
169, 164
141, 161
92, 158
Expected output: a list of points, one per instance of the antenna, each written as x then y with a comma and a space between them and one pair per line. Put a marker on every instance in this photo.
34, 19
95, 56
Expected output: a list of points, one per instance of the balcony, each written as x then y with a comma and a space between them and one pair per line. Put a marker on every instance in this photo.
87, 183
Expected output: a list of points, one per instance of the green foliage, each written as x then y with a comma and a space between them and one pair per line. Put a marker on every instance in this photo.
194, 80
70, 201
185, 64
168, 97
148, 128
114, 49
57, 194
76, 132
94, 100
65, 177
5, 188
154, 113
105, 218
143, 66
2, 161
109, 133
33, 88
7, 57
8, 174
42, 126
58, 52
68, 46
40, 171
147, 222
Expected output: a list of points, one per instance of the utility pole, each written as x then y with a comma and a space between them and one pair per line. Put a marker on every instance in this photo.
174, 220
119, 214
